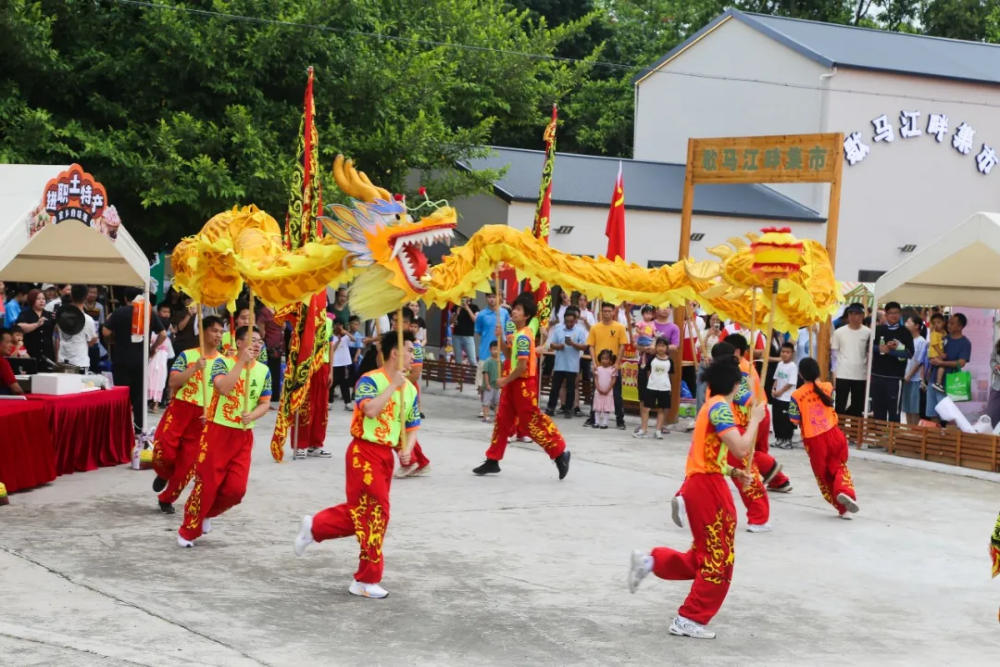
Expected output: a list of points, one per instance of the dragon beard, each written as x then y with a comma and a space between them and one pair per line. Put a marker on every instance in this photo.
372, 293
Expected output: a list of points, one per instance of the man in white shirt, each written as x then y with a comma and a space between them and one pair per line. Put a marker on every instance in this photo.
849, 350
74, 348
786, 375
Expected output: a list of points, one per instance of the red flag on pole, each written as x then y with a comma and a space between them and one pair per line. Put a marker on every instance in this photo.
615, 229
308, 332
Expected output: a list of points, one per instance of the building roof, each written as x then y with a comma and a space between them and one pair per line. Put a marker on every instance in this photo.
834, 45
587, 180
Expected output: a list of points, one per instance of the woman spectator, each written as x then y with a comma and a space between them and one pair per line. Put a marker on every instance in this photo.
914, 373
993, 404
36, 323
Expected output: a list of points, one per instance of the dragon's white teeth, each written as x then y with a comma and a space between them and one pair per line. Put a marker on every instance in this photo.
395, 250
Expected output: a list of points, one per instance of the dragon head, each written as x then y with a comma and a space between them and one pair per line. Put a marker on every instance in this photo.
383, 239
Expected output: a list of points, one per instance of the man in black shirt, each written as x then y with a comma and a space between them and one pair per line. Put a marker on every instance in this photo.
127, 368
892, 347
463, 332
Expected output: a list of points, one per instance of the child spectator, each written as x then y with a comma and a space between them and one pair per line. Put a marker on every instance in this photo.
604, 381
489, 390
786, 374
657, 395
935, 350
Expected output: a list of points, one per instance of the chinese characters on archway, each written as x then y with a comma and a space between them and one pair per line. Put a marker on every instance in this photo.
962, 137
766, 159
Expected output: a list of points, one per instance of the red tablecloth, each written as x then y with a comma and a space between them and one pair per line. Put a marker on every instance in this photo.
89, 430
27, 458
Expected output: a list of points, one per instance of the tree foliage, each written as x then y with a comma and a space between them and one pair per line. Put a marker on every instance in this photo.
183, 114
186, 107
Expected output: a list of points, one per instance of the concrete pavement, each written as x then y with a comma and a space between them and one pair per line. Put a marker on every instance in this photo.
512, 569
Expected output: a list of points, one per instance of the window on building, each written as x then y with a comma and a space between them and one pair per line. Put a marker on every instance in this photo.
657, 263
868, 276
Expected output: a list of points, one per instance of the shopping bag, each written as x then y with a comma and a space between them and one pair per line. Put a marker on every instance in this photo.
958, 386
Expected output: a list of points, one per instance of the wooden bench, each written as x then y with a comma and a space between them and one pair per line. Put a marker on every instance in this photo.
436, 370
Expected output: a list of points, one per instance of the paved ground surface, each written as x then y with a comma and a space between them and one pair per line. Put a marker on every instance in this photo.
516, 569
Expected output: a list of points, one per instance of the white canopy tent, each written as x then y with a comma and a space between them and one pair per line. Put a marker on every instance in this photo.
957, 269
69, 251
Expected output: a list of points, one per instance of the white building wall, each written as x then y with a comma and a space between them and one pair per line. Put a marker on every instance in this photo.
913, 190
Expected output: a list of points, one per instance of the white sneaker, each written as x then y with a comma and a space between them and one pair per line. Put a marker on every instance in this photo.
659, 436
759, 527
363, 590
426, 470
524, 438
850, 503
639, 565
847, 517
298, 453
181, 542
348, 407
405, 471
678, 511
206, 525
639, 434
305, 536
684, 627
318, 452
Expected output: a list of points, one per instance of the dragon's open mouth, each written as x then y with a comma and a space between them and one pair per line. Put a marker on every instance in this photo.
407, 250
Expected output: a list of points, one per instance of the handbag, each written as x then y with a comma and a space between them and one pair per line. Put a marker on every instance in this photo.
958, 386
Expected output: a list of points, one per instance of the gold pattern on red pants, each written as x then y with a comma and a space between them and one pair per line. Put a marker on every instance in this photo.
718, 548
369, 527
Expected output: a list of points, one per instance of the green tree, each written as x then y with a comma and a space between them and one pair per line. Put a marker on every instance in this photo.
182, 114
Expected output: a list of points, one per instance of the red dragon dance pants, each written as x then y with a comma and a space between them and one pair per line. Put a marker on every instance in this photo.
519, 405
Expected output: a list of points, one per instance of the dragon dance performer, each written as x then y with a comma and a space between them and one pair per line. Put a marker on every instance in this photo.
178, 435
228, 346
242, 395
319, 405
419, 463
752, 493
369, 461
770, 469
710, 511
812, 409
519, 397
995, 547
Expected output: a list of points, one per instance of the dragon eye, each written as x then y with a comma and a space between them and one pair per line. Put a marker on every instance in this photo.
399, 217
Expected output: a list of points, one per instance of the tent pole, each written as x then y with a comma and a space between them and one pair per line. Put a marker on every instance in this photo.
871, 354
145, 358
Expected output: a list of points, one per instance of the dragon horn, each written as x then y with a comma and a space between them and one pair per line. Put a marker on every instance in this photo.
347, 180
383, 193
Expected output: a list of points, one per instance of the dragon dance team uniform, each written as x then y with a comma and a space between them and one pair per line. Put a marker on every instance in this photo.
824, 442
223, 464
519, 405
369, 463
417, 366
711, 516
754, 494
178, 435
319, 399
765, 462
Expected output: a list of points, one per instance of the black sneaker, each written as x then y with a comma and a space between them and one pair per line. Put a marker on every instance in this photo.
159, 484
621, 426
488, 466
550, 413
784, 488
166, 508
589, 423
568, 414
577, 412
562, 463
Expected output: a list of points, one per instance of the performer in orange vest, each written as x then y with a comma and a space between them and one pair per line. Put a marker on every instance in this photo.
710, 511
812, 409
178, 435
769, 468
519, 399
752, 493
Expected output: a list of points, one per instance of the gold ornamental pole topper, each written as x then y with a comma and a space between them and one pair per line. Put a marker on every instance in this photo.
777, 254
